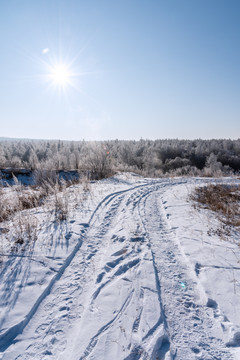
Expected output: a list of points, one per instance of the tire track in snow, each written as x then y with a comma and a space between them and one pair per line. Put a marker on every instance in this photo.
113, 277
7, 337
104, 328
148, 342
138, 352
105, 213
188, 325
121, 270
162, 318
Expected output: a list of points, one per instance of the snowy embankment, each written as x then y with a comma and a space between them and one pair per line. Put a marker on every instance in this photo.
135, 272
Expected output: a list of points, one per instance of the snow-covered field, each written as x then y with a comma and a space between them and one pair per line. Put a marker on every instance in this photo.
135, 272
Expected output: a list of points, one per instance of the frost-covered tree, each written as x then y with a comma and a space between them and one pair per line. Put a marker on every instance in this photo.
213, 166
144, 156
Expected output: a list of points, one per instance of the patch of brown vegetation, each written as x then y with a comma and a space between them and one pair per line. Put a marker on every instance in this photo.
222, 199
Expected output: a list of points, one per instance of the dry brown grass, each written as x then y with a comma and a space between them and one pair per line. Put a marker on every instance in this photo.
18, 199
222, 199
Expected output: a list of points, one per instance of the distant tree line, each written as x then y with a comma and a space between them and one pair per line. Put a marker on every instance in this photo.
148, 157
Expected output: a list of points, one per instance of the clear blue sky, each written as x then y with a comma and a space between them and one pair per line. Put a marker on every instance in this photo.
142, 68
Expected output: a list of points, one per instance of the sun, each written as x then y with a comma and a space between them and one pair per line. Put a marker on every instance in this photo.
60, 75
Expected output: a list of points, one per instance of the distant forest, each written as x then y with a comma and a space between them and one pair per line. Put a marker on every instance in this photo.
147, 157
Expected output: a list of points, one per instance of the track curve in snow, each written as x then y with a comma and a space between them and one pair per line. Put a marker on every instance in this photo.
127, 292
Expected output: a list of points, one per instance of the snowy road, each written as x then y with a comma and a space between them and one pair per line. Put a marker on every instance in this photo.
126, 291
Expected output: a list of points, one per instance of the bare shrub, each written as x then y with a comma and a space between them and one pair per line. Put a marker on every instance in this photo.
98, 161
29, 199
46, 180
43, 176
61, 204
86, 188
5, 209
61, 207
80, 193
24, 230
17, 198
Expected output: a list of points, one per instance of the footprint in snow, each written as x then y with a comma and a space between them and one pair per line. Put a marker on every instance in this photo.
91, 254
235, 341
120, 252
84, 224
212, 304
137, 239
68, 236
118, 238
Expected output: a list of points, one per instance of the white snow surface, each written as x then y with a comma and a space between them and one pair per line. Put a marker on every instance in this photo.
133, 273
